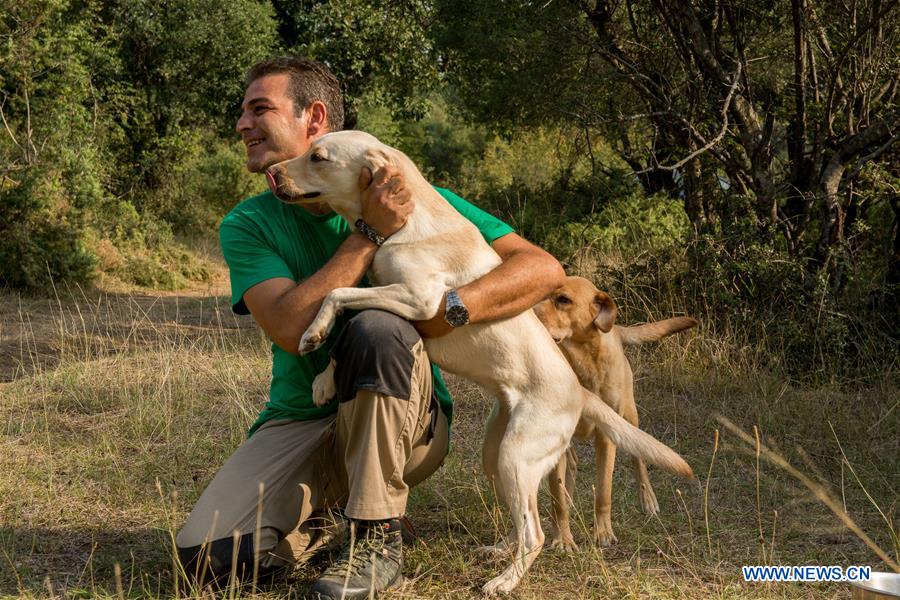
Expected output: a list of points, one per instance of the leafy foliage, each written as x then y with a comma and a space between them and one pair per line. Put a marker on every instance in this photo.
52, 168
379, 49
764, 121
103, 103
742, 154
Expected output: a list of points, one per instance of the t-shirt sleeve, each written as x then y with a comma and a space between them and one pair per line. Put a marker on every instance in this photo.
250, 258
490, 226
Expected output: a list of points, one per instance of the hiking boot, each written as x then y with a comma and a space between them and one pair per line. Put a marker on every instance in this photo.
371, 562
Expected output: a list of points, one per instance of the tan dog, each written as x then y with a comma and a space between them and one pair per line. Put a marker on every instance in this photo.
580, 319
539, 398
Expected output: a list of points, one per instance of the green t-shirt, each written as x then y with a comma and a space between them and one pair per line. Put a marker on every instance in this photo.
263, 238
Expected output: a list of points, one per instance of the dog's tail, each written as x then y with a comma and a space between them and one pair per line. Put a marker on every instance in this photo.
631, 439
652, 332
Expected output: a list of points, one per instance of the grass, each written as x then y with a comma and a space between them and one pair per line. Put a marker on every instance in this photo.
116, 408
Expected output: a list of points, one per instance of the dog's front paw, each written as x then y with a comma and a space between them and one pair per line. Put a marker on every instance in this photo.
323, 387
648, 500
317, 332
311, 340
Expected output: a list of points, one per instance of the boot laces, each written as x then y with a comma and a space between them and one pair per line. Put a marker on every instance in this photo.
360, 555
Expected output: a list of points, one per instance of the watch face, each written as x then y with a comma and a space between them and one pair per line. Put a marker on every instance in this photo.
457, 316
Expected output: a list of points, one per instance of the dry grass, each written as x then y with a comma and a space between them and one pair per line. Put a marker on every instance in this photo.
109, 398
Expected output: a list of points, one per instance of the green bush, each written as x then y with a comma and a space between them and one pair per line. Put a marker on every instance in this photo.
208, 178
113, 121
168, 268
643, 250
43, 238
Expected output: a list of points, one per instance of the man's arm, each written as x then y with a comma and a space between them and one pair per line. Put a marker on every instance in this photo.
526, 276
284, 308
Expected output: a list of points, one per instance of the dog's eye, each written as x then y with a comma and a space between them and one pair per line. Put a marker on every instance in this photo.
563, 300
316, 157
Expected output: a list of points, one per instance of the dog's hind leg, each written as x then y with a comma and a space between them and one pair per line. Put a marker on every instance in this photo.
523, 461
529, 536
646, 495
495, 429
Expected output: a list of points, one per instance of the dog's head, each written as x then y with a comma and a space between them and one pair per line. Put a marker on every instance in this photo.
329, 171
577, 310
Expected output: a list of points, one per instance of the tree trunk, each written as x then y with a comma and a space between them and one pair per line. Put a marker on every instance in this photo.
694, 200
832, 213
893, 266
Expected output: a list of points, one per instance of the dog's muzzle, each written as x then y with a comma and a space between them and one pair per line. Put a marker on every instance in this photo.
284, 189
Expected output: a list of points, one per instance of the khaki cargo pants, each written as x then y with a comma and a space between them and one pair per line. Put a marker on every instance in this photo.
388, 435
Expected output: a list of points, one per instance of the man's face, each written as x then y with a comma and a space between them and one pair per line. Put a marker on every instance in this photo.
269, 125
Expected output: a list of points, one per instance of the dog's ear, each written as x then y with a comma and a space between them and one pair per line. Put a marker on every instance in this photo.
376, 158
606, 312
373, 159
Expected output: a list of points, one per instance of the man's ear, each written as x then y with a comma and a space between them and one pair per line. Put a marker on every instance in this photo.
318, 119
606, 312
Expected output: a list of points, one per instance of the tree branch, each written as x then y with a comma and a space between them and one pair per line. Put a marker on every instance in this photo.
797, 142
836, 67
872, 156
715, 140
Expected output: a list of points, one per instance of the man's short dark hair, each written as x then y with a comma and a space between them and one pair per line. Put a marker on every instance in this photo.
310, 81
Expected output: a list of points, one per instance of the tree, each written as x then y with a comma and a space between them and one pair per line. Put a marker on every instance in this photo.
378, 49
51, 164
99, 100
784, 106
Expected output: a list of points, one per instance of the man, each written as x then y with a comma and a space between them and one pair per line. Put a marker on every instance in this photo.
388, 427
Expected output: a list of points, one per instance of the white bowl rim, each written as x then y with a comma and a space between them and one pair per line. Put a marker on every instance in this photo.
880, 582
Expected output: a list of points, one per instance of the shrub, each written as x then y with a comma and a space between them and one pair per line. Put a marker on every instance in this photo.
200, 186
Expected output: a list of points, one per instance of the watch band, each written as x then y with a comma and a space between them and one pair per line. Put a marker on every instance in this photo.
370, 233
455, 312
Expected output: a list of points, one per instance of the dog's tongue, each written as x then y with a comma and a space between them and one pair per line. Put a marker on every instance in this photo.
271, 179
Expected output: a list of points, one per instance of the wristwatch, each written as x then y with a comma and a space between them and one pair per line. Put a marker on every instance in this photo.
455, 312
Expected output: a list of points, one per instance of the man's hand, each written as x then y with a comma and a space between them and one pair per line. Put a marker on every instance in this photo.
386, 201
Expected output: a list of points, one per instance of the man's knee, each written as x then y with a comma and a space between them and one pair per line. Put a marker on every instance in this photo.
213, 562
375, 352
380, 329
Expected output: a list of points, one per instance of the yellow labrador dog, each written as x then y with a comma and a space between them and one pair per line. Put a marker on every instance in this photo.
581, 318
516, 360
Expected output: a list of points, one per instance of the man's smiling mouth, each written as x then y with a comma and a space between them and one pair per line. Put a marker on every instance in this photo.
252, 143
